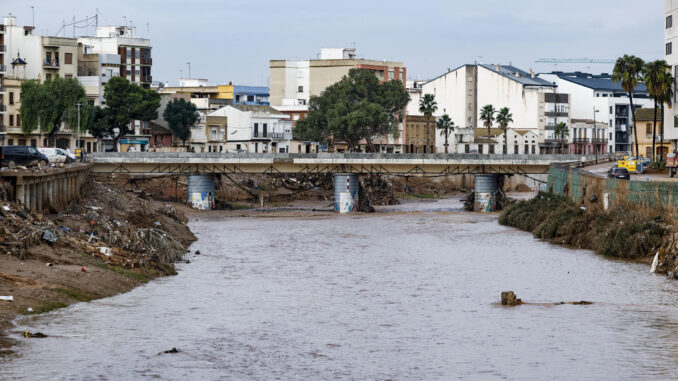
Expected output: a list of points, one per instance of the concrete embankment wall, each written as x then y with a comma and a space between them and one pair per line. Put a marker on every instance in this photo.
581, 186
533, 182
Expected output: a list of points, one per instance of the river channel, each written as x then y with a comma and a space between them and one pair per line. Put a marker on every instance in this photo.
409, 293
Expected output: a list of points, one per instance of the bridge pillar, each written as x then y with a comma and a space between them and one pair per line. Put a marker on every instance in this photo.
485, 193
346, 195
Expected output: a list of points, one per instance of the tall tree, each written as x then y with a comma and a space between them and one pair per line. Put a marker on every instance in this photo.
428, 106
504, 118
356, 108
98, 122
181, 117
127, 102
561, 131
653, 75
45, 106
667, 86
487, 116
446, 126
628, 71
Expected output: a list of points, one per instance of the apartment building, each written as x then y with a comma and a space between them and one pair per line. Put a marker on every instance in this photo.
671, 37
3, 71
255, 128
588, 137
208, 98
95, 70
420, 137
596, 97
293, 82
462, 92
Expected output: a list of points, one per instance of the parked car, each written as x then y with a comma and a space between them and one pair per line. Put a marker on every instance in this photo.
619, 173
53, 155
11, 156
70, 157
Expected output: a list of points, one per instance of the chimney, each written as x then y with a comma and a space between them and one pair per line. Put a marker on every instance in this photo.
532, 73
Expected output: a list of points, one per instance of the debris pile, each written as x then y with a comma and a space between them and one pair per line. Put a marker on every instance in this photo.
378, 190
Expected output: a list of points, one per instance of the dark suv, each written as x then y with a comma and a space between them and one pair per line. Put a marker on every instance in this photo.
619, 173
11, 156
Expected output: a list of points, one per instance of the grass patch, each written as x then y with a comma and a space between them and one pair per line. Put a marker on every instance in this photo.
47, 306
410, 196
75, 294
617, 232
138, 274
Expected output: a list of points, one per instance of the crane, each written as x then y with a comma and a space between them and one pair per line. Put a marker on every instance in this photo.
574, 60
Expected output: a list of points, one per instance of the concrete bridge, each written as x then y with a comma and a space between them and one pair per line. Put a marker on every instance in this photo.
155, 163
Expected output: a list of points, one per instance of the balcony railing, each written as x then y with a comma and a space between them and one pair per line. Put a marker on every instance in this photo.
147, 78
3, 128
581, 140
2, 89
50, 64
600, 140
281, 135
3, 48
3, 68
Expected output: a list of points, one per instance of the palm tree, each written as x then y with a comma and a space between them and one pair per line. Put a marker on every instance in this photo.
428, 106
561, 131
667, 94
653, 73
504, 117
487, 116
446, 126
628, 70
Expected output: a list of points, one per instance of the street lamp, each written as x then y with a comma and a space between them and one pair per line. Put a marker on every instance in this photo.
595, 143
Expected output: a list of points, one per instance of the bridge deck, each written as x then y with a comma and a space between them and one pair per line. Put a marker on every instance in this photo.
439, 164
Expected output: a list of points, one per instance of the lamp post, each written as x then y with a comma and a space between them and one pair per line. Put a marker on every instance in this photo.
595, 132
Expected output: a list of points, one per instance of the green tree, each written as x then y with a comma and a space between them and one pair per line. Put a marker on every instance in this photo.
653, 73
628, 71
181, 116
356, 108
504, 118
487, 116
45, 106
127, 102
98, 125
561, 131
428, 106
446, 126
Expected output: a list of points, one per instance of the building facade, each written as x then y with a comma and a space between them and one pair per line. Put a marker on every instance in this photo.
294, 82
462, 92
597, 97
477, 140
252, 128
585, 138
420, 137
671, 40
646, 131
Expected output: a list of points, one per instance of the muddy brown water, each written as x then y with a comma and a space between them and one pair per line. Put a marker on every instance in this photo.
408, 294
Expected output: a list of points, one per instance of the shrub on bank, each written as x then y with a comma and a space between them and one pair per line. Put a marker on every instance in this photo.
618, 232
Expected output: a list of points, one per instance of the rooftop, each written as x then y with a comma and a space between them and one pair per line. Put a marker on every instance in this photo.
521, 76
601, 82
647, 115
256, 108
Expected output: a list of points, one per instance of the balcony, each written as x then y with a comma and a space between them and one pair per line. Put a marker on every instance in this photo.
581, 140
50, 64
3, 89
3, 68
146, 61
281, 135
3, 48
146, 79
3, 128
600, 140
556, 113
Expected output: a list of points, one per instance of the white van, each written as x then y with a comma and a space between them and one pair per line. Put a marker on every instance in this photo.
55, 155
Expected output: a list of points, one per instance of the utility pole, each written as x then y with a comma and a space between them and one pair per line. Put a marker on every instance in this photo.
73, 26
595, 132
33, 12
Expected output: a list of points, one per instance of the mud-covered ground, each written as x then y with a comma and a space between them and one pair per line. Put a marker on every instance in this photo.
108, 242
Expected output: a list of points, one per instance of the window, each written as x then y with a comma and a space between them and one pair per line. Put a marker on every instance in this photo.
256, 130
669, 21
10, 142
669, 48
480, 149
18, 120
250, 98
300, 89
128, 53
265, 130
68, 58
69, 76
11, 97
648, 130
467, 148
515, 149
11, 120
48, 76
527, 149
533, 150
470, 78
492, 149
470, 106
237, 147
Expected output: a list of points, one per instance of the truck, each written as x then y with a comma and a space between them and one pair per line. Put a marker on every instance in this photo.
633, 164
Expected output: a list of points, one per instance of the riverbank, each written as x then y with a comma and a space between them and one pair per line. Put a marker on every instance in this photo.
618, 232
107, 243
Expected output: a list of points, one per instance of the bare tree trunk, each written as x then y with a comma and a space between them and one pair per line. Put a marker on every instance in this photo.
446, 135
633, 124
661, 137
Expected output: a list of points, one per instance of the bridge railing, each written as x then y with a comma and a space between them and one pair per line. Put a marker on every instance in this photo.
335, 156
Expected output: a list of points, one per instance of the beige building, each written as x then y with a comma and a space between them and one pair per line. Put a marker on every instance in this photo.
420, 138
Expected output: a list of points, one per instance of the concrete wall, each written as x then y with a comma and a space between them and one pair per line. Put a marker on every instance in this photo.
580, 186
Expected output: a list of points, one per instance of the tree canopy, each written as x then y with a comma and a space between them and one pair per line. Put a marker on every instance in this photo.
126, 102
181, 116
628, 71
487, 116
45, 106
354, 109
504, 118
446, 126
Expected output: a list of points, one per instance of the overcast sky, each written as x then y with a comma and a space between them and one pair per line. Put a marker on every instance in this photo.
233, 40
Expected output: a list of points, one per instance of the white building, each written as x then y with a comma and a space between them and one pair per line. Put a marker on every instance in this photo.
462, 92
671, 36
476, 140
598, 92
256, 128
414, 88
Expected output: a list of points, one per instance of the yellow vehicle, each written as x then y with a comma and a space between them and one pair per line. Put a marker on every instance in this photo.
632, 164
